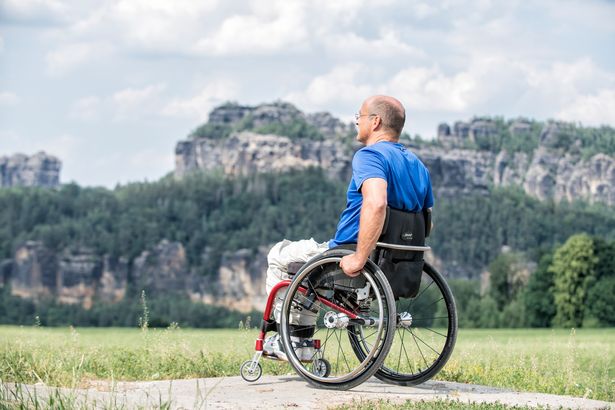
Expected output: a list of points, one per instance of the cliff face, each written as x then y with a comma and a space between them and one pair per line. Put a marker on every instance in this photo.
38, 170
80, 277
247, 153
546, 175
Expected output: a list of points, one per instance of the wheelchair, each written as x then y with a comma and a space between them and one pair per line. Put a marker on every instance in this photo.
396, 320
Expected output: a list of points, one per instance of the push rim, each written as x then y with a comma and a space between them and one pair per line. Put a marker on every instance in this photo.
334, 344
425, 333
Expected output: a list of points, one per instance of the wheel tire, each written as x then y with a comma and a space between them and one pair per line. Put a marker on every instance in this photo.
435, 353
248, 376
327, 265
321, 367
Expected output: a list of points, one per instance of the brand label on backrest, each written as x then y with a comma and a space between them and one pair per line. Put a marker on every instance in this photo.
406, 236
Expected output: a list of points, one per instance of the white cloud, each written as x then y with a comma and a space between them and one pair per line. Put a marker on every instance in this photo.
198, 106
69, 56
1, 44
429, 89
595, 109
276, 26
159, 24
345, 84
421, 88
8, 98
388, 44
133, 102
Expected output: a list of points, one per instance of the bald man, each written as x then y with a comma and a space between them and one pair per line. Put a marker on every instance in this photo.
384, 173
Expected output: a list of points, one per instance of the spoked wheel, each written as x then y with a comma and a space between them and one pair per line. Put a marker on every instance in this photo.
322, 308
425, 333
250, 371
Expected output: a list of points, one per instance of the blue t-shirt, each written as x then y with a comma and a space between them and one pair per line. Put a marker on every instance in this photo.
408, 185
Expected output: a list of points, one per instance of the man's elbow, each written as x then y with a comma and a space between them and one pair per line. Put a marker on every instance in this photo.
376, 205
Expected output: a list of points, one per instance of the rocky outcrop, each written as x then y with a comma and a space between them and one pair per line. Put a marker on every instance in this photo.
547, 173
246, 153
278, 112
239, 283
328, 125
553, 171
164, 267
78, 272
38, 170
79, 276
457, 171
546, 176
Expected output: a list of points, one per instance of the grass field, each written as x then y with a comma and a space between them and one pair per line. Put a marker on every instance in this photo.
579, 363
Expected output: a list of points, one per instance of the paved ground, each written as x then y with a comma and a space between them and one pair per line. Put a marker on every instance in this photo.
275, 392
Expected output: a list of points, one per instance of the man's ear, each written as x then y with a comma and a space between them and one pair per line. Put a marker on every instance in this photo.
376, 123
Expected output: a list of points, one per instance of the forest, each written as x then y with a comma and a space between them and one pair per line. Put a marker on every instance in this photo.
504, 230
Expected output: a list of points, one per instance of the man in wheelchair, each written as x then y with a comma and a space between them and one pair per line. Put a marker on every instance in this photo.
384, 173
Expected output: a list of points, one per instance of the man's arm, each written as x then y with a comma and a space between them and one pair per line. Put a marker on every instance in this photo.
373, 213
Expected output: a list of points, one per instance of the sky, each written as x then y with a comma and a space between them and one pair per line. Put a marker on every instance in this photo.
109, 87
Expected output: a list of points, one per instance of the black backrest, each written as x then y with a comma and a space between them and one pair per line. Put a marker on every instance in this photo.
403, 268
405, 228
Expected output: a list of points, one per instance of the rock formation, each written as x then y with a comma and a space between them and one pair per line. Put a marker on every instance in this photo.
246, 153
38, 170
79, 276
547, 173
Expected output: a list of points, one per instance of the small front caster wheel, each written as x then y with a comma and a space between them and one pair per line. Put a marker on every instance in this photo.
321, 367
249, 373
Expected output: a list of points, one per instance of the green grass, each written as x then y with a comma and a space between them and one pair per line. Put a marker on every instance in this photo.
578, 363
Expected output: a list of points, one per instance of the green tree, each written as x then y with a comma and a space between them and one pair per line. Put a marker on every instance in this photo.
601, 296
538, 295
601, 301
573, 270
489, 312
506, 278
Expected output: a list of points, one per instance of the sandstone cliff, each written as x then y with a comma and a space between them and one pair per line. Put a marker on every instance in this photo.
549, 172
246, 153
79, 276
37, 170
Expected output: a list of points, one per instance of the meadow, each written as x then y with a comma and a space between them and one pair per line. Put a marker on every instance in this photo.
573, 362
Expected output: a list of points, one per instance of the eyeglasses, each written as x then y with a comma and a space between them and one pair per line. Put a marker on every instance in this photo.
357, 116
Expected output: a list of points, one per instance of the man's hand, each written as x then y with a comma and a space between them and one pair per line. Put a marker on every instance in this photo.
352, 264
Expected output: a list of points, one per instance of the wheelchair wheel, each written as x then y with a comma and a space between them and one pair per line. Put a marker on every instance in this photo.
425, 333
324, 310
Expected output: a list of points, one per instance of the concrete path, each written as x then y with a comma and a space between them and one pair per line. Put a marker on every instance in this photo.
277, 392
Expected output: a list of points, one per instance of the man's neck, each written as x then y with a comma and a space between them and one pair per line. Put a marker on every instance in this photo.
385, 136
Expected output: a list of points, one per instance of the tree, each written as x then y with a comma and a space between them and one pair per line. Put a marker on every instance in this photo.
601, 301
601, 296
507, 277
538, 295
573, 270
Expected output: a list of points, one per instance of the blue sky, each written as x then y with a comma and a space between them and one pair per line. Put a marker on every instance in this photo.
109, 87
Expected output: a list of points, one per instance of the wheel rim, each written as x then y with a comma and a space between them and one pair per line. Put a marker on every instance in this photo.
335, 344
247, 374
421, 338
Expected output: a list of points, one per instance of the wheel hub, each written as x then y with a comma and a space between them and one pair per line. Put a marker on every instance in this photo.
335, 320
404, 319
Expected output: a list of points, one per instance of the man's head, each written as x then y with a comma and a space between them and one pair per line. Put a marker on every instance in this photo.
380, 116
